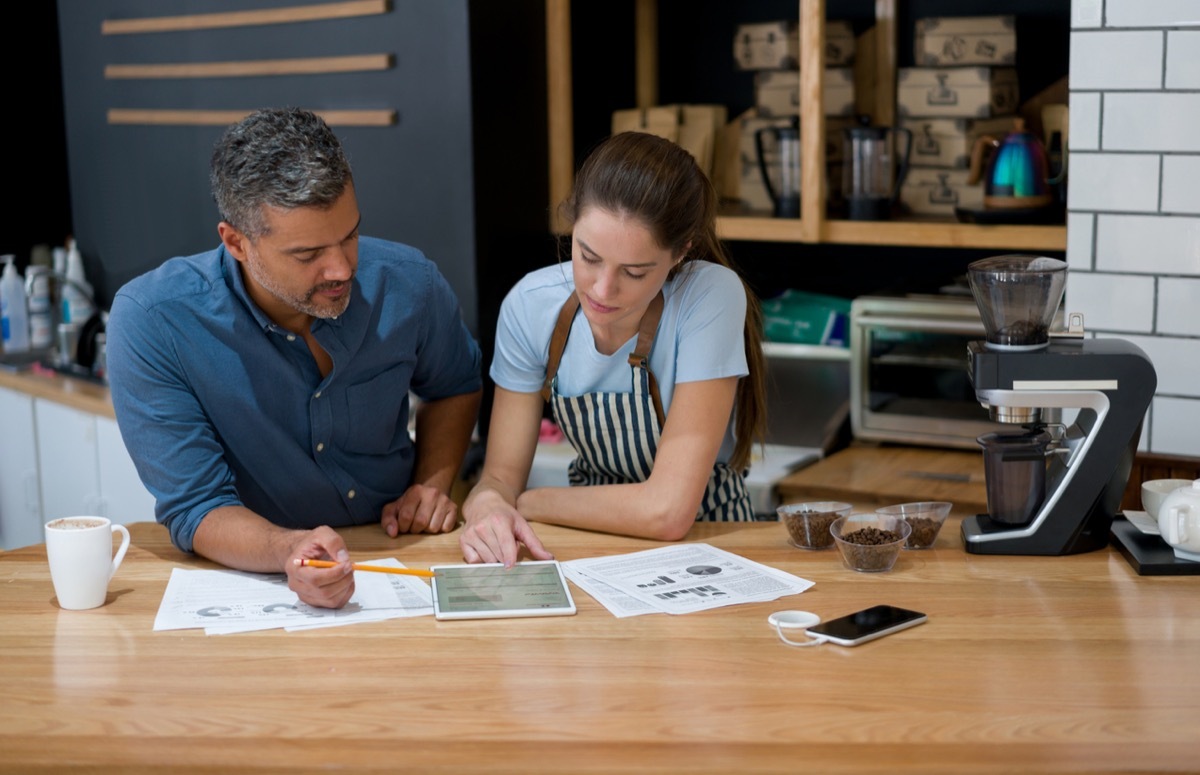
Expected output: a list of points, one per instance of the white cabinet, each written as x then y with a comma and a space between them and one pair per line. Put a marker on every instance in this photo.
70, 477
20, 509
85, 468
123, 496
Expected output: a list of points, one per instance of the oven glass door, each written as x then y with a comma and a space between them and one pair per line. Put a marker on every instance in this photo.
910, 382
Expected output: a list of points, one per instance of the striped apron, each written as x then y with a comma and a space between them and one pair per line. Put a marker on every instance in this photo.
615, 435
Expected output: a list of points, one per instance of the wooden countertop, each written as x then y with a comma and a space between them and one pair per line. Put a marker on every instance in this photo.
869, 476
1027, 664
77, 393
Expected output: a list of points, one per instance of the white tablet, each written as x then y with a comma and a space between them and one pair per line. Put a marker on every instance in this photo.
535, 588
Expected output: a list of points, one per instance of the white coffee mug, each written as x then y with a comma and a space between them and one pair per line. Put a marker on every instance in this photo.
81, 559
1179, 521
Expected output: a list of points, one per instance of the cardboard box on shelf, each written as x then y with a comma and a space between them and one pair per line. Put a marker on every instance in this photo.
947, 142
694, 127
935, 191
776, 45
777, 92
940, 41
956, 92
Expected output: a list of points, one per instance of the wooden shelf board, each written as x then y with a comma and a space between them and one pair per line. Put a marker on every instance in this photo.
225, 117
946, 233
261, 67
254, 17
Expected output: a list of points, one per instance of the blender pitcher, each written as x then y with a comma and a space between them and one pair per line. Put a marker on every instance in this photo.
779, 164
871, 178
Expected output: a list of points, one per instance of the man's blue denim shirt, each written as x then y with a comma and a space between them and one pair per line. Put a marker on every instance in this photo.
218, 406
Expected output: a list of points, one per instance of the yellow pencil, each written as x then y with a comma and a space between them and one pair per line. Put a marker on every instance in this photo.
375, 568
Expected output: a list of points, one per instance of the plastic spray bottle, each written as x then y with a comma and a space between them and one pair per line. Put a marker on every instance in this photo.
76, 295
14, 314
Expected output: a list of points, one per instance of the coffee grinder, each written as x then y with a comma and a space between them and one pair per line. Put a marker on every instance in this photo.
1052, 489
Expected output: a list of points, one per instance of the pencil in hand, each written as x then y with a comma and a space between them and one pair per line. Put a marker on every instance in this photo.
428, 574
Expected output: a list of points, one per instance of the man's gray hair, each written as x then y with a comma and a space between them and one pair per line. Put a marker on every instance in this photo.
284, 157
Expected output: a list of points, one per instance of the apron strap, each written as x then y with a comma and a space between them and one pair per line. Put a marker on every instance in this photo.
640, 357
558, 342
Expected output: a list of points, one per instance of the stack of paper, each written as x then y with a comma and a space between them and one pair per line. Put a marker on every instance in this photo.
679, 579
227, 601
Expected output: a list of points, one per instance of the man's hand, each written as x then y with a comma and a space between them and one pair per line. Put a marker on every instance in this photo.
421, 509
321, 587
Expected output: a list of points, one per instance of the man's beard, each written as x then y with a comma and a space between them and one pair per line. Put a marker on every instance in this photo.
303, 303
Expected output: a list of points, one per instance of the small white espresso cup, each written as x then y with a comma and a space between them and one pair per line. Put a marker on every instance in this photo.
80, 550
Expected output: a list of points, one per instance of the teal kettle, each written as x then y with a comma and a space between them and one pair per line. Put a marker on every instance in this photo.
1017, 174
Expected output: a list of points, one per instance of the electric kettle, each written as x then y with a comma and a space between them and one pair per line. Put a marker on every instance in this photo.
1017, 174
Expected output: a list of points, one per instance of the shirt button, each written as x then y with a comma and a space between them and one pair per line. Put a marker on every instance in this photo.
317, 394
350, 495
291, 337
320, 447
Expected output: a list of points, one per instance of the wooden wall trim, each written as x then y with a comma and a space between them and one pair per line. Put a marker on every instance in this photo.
226, 117
304, 66
209, 21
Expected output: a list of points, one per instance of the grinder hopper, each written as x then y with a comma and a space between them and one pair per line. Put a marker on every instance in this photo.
1017, 297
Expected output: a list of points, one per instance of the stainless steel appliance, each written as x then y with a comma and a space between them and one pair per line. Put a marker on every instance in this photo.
1019, 370
908, 371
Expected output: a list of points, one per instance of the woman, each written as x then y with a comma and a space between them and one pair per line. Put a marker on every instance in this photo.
649, 352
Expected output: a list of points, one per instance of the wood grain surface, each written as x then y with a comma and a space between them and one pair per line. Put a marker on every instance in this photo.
1027, 664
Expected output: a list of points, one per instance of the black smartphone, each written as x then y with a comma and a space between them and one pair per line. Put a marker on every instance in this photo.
867, 624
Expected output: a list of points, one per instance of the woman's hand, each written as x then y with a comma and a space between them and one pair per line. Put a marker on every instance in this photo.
495, 530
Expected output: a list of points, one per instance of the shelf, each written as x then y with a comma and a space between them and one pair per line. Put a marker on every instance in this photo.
945, 233
811, 352
813, 226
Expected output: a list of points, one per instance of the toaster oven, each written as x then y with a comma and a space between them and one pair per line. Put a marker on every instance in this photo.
909, 381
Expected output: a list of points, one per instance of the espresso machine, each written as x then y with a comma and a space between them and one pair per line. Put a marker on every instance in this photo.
1052, 489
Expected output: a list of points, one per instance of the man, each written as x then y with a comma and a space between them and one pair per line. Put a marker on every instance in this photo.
262, 388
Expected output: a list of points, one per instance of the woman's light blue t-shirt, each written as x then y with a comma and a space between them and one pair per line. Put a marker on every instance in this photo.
700, 336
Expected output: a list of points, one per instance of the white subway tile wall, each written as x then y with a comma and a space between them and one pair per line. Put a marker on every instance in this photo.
1080, 241
1144, 121
1133, 223
1149, 13
1087, 13
1183, 60
1113, 302
1174, 425
1175, 360
1085, 121
1116, 59
1153, 244
1178, 307
1114, 181
1181, 183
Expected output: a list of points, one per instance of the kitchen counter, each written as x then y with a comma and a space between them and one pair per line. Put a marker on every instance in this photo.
76, 393
1027, 664
868, 476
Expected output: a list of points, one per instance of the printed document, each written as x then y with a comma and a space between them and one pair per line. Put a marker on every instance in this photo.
679, 579
228, 601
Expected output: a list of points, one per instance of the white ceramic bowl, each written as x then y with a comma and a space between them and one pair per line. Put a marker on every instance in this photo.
1155, 491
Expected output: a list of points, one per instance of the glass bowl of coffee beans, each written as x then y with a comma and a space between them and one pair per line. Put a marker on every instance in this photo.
808, 523
870, 543
925, 518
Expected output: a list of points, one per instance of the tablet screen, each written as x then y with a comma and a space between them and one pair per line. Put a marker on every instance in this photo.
482, 591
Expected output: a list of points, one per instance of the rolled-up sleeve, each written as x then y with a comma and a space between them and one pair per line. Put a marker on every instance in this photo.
171, 440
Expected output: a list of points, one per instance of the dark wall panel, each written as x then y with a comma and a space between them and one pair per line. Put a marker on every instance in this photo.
139, 194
